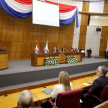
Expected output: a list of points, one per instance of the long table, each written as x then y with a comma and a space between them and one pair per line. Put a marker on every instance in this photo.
37, 90
38, 59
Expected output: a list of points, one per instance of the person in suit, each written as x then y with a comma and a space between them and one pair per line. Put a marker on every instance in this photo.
45, 51
106, 54
89, 52
36, 51
63, 50
98, 84
55, 50
76, 50
80, 49
64, 84
83, 51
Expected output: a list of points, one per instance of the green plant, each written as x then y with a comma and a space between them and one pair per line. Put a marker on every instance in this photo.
71, 59
51, 61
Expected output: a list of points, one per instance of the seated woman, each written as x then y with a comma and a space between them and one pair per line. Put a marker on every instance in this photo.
71, 50
63, 50
64, 85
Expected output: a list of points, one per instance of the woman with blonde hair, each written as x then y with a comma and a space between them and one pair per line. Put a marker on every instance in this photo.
64, 84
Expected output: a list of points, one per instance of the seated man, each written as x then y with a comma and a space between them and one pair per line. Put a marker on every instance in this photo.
80, 49
98, 84
36, 51
45, 51
106, 54
25, 99
55, 50
89, 52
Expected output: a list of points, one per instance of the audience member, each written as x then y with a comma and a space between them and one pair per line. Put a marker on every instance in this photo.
63, 50
64, 84
36, 51
25, 99
55, 50
98, 83
45, 51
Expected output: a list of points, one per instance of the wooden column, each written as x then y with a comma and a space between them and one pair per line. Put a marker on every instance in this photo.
83, 26
104, 34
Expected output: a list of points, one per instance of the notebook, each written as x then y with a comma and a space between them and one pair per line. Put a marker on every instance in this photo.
47, 91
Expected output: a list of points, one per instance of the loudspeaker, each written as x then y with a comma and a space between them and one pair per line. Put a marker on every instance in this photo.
98, 29
88, 19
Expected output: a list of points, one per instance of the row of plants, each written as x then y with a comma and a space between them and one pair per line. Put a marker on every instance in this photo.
71, 59
51, 61
54, 61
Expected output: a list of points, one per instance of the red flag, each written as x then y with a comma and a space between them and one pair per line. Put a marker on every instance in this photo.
37, 46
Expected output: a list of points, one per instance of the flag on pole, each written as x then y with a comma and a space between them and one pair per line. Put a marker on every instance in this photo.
47, 46
37, 46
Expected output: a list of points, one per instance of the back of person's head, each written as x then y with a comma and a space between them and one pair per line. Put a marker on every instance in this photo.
25, 99
103, 70
64, 80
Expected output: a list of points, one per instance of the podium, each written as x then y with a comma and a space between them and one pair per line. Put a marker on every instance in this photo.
38, 59
3, 58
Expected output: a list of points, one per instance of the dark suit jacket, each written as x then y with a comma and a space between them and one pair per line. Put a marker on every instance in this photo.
89, 51
55, 51
105, 52
98, 86
44, 51
35, 52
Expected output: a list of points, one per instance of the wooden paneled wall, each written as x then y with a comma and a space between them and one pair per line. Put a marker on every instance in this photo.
83, 26
104, 34
19, 36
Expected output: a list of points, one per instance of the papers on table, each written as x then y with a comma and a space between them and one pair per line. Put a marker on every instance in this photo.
96, 78
86, 84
